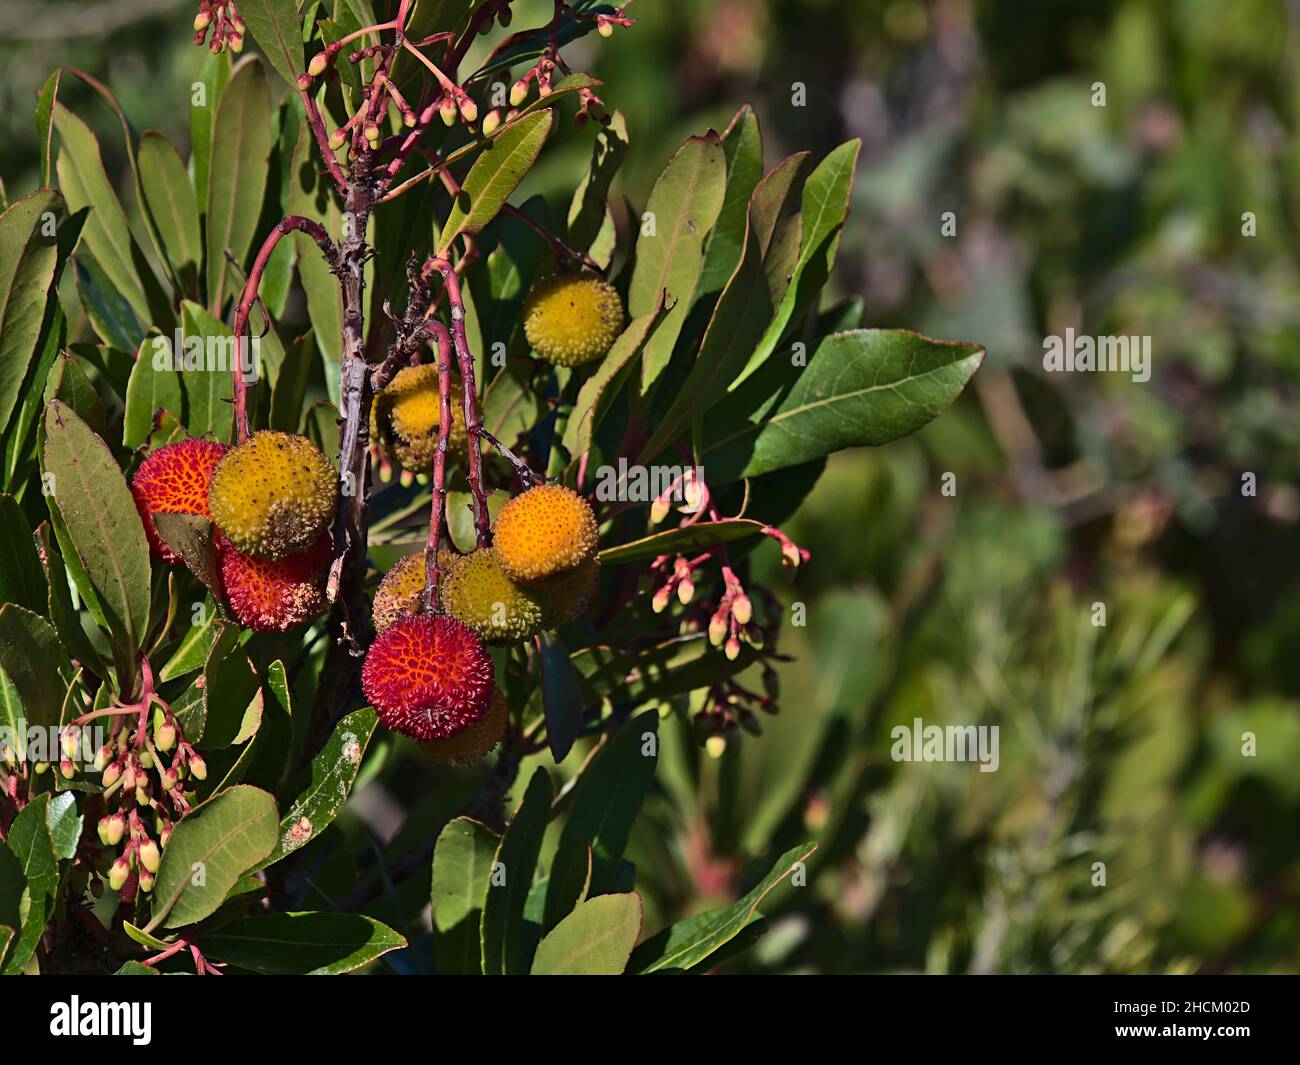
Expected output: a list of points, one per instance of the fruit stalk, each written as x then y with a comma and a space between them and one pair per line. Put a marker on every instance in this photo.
249, 297
437, 507
469, 392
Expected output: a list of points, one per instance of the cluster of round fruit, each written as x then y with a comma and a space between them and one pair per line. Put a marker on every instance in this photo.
271, 498
430, 675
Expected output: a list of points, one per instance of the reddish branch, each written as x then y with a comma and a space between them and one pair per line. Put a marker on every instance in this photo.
249, 297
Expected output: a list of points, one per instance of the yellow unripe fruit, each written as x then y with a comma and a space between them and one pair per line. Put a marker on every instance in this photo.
406, 417
473, 743
476, 590
547, 530
273, 495
568, 595
571, 319
399, 593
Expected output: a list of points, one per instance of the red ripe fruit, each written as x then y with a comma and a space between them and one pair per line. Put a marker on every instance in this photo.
174, 480
274, 596
428, 676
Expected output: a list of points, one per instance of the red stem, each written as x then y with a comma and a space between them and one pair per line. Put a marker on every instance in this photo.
469, 392
317, 123
249, 297
437, 509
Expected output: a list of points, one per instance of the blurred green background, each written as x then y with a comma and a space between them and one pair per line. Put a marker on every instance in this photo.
1121, 743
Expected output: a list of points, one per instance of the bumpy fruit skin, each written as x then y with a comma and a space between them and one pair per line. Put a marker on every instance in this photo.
571, 319
276, 596
406, 416
428, 676
273, 495
547, 530
474, 742
568, 595
174, 480
476, 590
399, 593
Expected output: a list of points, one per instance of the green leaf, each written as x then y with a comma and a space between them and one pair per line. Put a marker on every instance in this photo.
742, 141
688, 538
193, 538
508, 940
237, 174
333, 772
311, 195
33, 659
13, 719
63, 823
107, 235
674, 667
561, 699
596, 939
599, 390
169, 197
606, 801
275, 26
209, 850
12, 887
68, 382
824, 207
863, 388
686, 944
208, 383
29, 255
589, 209
99, 513
29, 840
684, 205
59, 609
301, 944
289, 395
462, 862
154, 385
135, 968
207, 90
22, 580
45, 124
195, 645
508, 156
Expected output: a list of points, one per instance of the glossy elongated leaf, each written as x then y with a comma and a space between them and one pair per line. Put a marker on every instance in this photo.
276, 28
45, 124
462, 862
862, 388
596, 939
206, 375
561, 696
195, 644
742, 313
154, 385
64, 616
494, 176
28, 258
170, 199
210, 849
508, 939
13, 718
63, 823
686, 944
690, 538
606, 800
236, 175
211, 83
742, 142
305, 944
598, 391
333, 772
192, 537
824, 207
22, 580
672, 668
289, 395
310, 195
107, 235
102, 522
682, 209
68, 382
29, 840
589, 208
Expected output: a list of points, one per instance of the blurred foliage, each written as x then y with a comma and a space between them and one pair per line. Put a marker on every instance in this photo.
1121, 743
